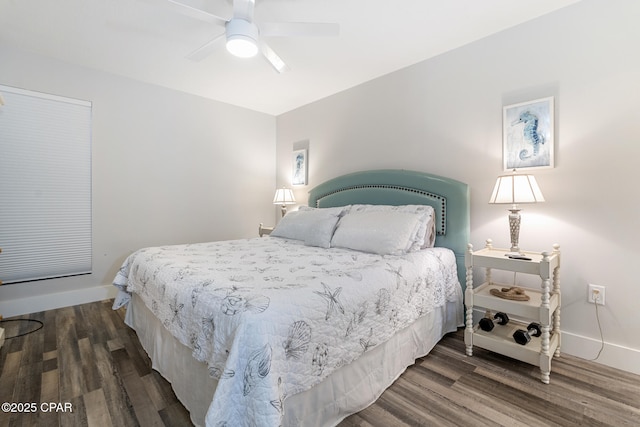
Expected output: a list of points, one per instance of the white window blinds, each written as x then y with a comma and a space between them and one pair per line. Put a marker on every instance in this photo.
45, 186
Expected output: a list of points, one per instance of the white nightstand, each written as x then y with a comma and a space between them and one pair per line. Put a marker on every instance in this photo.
542, 308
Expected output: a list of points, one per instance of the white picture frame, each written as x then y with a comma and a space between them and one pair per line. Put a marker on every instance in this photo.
528, 134
299, 173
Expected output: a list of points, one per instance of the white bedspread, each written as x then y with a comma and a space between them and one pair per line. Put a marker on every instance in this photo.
272, 317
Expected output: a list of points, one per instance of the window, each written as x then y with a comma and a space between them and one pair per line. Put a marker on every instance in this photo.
45, 186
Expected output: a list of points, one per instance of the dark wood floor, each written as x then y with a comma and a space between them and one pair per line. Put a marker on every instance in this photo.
91, 366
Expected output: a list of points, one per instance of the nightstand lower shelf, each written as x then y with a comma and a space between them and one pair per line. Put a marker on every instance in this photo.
500, 340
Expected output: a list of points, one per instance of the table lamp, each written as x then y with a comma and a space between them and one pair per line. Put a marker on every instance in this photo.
284, 197
516, 189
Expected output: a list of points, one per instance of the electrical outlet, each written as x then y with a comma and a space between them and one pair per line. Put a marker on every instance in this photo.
596, 293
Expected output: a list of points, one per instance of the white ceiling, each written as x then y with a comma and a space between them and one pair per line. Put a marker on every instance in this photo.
147, 40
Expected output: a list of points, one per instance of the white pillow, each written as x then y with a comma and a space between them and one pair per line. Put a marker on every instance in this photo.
315, 227
377, 231
339, 210
425, 235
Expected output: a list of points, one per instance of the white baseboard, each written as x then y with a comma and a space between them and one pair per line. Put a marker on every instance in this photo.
616, 356
37, 303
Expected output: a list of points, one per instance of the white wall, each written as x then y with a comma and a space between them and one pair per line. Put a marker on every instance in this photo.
444, 116
167, 168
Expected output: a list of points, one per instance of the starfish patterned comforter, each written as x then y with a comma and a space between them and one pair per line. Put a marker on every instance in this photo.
272, 317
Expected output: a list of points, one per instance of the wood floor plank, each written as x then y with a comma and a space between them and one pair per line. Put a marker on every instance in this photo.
48, 418
443, 364
49, 389
395, 403
27, 390
92, 316
138, 357
83, 325
142, 404
445, 411
87, 356
510, 414
72, 383
163, 387
115, 344
89, 368
540, 413
120, 407
576, 396
8, 375
76, 417
467, 401
50, 342
33, 343
49, 394
154, 392
175, 415
110, 319
28, 383
594, 380
97, 410
374, 415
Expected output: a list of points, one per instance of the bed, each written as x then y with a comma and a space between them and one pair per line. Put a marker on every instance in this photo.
313, 323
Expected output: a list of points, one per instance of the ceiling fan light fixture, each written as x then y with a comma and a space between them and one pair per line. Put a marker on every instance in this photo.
241, 47
242, 38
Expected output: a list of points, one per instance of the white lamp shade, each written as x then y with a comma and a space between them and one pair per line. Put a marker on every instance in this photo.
284, 196
514, 189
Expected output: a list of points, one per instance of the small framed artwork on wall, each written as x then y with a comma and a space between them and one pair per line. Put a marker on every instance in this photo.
527, 140
299, 176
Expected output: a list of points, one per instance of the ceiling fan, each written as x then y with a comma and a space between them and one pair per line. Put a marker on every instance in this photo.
244, 37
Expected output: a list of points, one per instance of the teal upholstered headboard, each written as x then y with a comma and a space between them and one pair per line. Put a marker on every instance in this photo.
449, 198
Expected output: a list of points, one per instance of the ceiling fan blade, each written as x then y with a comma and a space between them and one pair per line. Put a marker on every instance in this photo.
276, 62
206, 49
299, 29
243, 9
199, 14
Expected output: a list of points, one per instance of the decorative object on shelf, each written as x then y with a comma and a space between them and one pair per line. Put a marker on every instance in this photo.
284, 197
514, 293
523, 337
515, 189
528, 134
299, 176
487, 324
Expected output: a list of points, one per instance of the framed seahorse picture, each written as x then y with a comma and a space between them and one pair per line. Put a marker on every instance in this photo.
528, 135
300, 174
